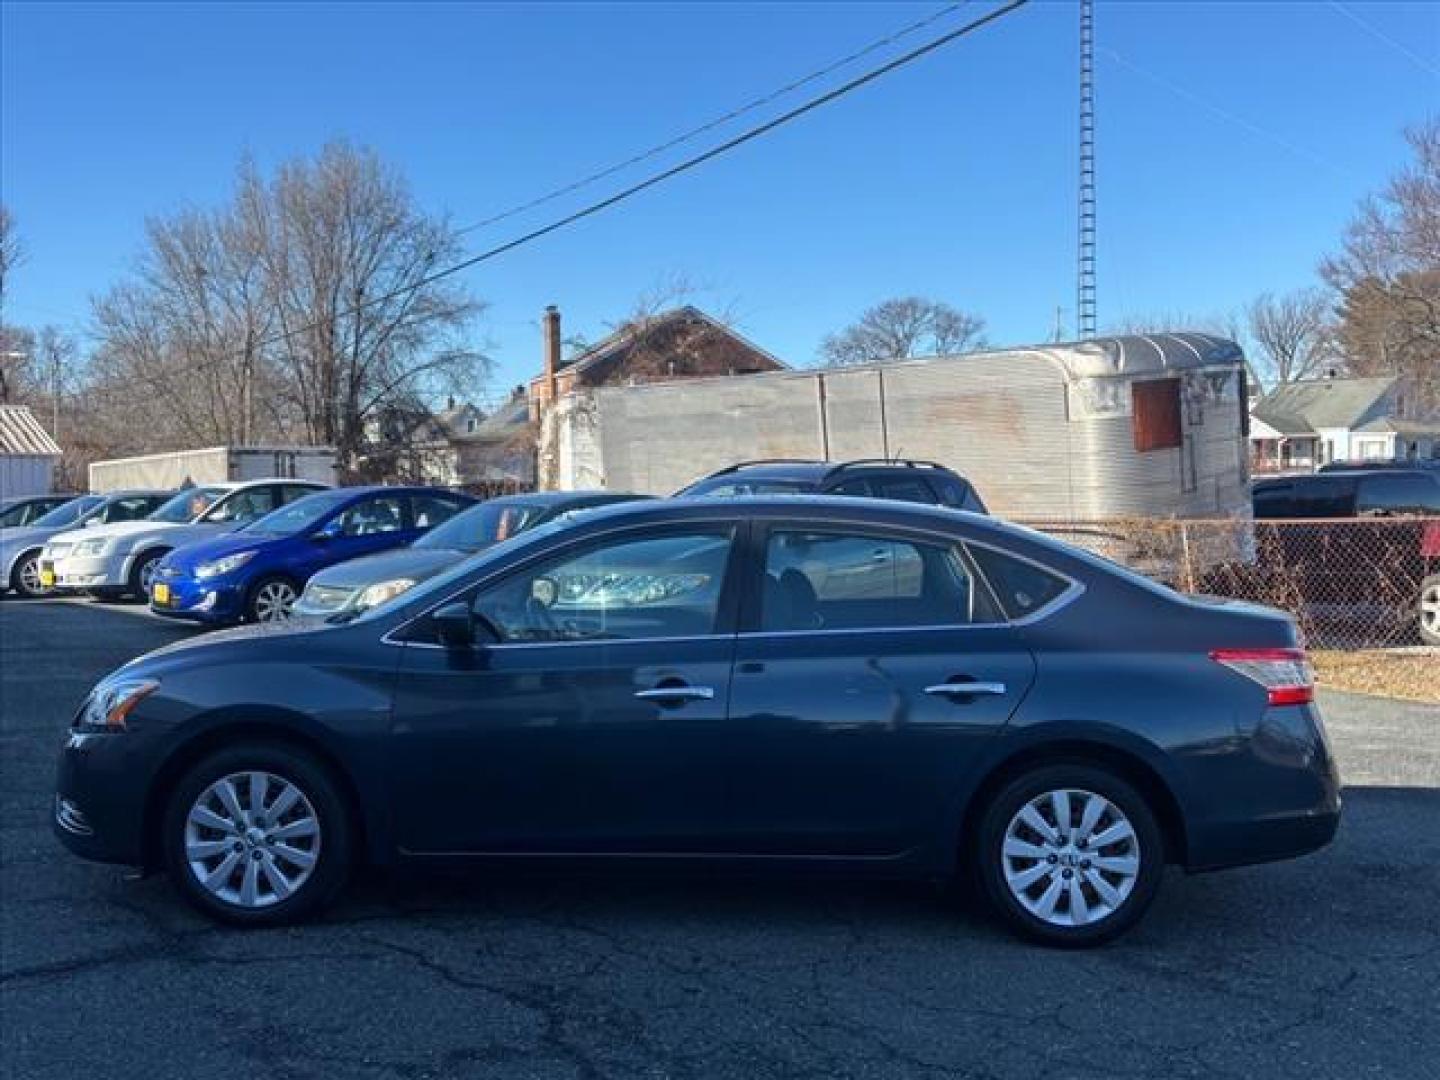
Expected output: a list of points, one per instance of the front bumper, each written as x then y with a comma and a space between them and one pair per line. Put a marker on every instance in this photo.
99, 806
215, 601
89, 571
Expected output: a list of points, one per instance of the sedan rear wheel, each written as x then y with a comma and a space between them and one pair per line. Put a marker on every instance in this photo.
258, 836
1070, 854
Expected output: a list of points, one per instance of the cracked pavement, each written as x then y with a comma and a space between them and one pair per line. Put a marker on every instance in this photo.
1324, 967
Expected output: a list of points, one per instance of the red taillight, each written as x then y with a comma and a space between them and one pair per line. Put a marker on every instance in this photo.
1285, 674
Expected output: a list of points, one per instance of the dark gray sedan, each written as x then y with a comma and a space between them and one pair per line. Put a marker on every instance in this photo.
363, 583
811, 682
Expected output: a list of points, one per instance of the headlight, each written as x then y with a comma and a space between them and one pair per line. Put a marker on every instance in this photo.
110, 703
90, 547
377, 594
223, 566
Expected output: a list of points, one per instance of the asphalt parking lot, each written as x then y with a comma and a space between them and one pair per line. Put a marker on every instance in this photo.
1324, 967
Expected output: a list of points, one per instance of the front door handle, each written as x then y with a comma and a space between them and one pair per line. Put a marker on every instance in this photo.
676, 693
965, 689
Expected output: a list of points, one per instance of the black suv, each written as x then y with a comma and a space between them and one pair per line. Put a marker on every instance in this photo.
1350, 566
876, 478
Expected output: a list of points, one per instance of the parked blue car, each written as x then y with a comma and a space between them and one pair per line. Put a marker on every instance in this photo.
256, 573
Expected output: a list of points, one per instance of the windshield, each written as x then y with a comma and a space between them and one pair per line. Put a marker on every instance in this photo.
187, 505
69, 512
300, 515
481, 526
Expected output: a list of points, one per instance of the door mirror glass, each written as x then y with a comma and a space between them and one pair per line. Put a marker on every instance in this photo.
454, 626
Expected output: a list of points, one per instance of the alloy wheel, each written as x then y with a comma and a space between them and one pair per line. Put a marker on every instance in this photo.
30, 577
273, 601
1430, 609
252, 839
1070, 857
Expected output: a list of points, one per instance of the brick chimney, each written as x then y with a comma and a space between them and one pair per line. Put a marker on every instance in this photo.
551, 333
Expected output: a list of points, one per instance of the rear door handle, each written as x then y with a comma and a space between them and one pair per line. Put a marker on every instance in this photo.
965, 689
676, 693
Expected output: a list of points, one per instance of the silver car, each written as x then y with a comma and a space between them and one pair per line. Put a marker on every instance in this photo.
118, 560
20, 548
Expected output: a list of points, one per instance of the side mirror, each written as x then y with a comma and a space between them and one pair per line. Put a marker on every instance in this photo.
91, 522
327, 532
454, 626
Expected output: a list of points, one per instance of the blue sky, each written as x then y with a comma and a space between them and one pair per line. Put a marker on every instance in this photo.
1234, 141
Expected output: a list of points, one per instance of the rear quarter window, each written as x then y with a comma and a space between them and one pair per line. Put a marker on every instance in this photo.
1022, 587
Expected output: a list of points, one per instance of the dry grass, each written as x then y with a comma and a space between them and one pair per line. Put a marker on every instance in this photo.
1410, 673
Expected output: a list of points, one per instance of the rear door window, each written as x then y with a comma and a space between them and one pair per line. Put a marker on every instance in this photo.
957, 493
816, 581
905, 488
431, 510
250, 504
1023, 588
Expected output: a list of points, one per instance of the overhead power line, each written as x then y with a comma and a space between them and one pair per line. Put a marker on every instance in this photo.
719, 121
685, 166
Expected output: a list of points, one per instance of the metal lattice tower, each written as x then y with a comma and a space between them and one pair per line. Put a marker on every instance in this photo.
1085, 280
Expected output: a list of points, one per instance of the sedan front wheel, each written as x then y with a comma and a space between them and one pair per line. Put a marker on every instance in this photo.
258, 835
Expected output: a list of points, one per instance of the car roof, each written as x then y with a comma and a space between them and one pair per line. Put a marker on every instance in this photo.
818, 471
820, 507
549, 499
130, 493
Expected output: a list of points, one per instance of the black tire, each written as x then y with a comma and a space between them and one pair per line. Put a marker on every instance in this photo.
334, 843
989, 860
135, 587
26, 570
1428, 621
254, 599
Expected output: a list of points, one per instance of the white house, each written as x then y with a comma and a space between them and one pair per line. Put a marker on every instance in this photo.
28, 454
1302, 425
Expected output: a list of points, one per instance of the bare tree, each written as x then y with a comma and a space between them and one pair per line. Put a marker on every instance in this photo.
1387, 272
16, 344
11, 253
300, 310
349, 258
904, 327
1293, 334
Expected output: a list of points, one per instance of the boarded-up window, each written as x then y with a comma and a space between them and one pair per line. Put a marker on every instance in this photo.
1156, 414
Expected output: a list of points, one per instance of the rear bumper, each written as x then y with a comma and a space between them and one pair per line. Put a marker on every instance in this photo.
1277, 798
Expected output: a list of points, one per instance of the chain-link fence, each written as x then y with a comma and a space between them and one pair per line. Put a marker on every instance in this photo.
1351, 583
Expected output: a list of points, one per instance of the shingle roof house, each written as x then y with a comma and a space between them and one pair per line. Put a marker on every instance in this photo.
1307, 423
680, 343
